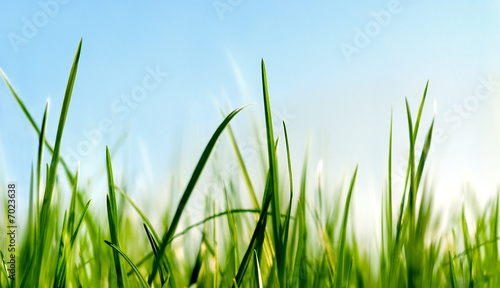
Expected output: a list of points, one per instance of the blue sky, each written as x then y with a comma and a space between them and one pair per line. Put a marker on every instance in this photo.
204, 58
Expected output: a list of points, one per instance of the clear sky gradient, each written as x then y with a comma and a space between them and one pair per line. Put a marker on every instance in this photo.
160, 70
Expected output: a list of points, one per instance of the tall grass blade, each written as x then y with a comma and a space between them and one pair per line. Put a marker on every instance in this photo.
121, 277
189, 189
339, 271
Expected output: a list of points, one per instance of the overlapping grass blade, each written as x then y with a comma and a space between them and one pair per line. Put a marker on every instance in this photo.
121, 277
189, 189
136, 270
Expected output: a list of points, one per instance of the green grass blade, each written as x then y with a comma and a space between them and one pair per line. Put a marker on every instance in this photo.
138, 210
419, 115
389, 207
243, 166
51, 177
300, 225
339, 270
286, 225
136, 270
257, 236
33, 123
273, 174
60, 277
154, 246
79, 224
39, 158
423, 156
190, 187
121, 277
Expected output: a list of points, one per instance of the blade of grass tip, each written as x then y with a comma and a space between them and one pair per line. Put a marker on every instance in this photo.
51, 178
258, 275
33, 123
273, 173
136, 270
423, 156
417, 123
113, 222
289, 210
242, 164
190, 187
339, 273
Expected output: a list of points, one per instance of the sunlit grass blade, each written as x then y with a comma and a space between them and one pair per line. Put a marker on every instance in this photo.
189, 189
339, 271
258, 275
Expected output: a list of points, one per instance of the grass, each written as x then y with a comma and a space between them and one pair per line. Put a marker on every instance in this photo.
277, 239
